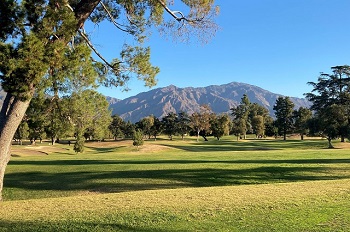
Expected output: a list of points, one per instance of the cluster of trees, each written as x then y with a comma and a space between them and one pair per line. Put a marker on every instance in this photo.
201, 123
85, 115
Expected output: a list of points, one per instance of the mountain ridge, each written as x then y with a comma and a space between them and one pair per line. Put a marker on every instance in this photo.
221, 98
163, 100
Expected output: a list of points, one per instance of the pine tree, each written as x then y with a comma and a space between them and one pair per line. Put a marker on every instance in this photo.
284, 111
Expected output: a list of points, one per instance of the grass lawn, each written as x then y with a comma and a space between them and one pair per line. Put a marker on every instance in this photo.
227, 185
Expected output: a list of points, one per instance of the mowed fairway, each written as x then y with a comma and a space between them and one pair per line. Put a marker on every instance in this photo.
253, 185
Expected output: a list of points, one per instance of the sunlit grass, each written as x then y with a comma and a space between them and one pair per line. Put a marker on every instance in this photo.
252, 185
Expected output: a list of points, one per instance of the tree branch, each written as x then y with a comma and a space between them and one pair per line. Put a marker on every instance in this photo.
112, 19
94, 49
172, 13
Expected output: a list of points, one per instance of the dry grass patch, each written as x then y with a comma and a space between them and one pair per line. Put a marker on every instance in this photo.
109, 144
33, 150
153, 148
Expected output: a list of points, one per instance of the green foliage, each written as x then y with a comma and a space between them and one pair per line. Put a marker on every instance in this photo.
183, 123
79, 144
146, 125
301, 120
247, 118
156, 128
9, 18
220, 126
284, 115
200, 121
128, 129
116, 126
332, 91
170, 124
22, 131
258, 125
138, 138
90, 114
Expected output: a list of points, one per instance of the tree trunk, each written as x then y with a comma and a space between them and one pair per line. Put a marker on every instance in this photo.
11, 116
342, 139
53, 140
330, 143
302, 136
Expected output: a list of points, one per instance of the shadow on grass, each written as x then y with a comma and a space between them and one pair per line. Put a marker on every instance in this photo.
211, 161
105, 149
133, 180
29, 226
250, 145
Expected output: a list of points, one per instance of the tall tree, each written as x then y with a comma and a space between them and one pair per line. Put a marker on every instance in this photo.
301, 118
284, 111
183, 124
240, 116
330, 121
170, 124
137, 138
258, 126
36, 37
145, 125
156, 128
128, 129
22, 132
89, 112
116, 126
333, 89
220, 125
200, 121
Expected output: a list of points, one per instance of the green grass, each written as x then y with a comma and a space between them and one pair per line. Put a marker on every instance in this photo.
253, 185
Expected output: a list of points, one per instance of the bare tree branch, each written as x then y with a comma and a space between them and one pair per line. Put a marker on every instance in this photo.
84, 36
112, 19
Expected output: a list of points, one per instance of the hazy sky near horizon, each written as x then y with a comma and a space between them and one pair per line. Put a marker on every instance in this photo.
276, 45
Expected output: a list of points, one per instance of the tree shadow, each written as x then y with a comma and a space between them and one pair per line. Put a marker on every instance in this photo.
70, 225
178, 161
134, 180
249, 145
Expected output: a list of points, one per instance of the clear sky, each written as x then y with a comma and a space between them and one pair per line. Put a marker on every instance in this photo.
278, 45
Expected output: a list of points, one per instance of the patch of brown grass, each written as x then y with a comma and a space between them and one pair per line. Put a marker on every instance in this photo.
153, 148
109, 144
33, 150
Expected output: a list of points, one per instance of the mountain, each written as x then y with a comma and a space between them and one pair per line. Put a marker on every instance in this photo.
221, 98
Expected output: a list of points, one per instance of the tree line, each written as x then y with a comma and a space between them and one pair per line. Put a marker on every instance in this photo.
85, 115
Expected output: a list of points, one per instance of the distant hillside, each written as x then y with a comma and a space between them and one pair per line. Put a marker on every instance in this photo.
221, 98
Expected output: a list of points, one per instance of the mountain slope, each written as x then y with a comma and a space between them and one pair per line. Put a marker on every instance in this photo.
220, 98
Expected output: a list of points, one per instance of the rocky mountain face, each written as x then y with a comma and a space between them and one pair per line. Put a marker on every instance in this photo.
221, 98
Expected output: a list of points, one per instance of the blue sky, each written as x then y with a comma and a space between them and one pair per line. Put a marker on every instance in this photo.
278, 45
